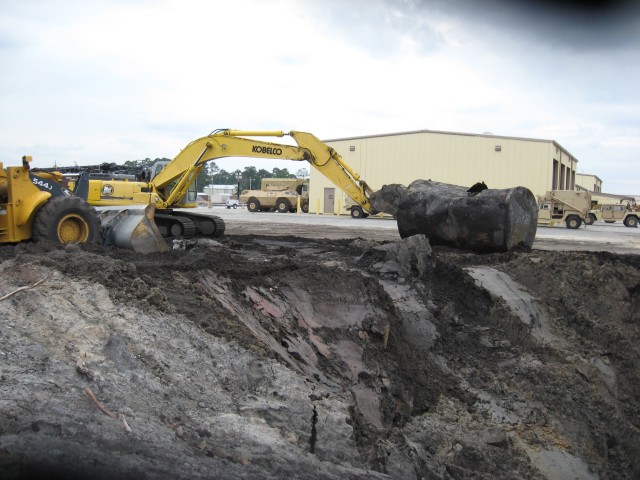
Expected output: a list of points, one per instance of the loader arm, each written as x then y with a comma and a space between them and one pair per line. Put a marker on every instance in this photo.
182, 171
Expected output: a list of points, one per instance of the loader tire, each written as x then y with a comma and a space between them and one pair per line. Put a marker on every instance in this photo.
66, 220
305, 208
283, 205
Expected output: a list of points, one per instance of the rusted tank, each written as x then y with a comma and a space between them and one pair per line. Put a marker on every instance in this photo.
477, 218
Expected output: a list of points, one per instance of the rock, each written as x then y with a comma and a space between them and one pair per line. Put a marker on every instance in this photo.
408, 257
494, 436
116, 350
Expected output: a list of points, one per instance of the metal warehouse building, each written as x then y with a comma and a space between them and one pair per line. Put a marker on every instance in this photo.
448, 157
589, 182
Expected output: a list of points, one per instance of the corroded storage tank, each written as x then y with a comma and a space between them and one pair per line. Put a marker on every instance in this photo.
484, 221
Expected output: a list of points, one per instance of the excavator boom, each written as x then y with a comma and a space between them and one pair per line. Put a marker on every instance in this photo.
187, 165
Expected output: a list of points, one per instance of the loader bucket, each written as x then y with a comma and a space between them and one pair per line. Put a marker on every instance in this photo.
132, 228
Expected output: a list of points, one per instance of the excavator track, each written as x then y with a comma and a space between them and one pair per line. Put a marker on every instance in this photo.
220, 227
173, 225
207, 225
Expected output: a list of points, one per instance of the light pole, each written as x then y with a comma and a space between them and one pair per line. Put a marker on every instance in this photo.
238, 177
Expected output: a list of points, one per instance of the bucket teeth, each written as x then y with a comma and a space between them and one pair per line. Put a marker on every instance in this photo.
133, 229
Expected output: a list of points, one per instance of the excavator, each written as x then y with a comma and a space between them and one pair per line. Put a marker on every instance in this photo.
138, 214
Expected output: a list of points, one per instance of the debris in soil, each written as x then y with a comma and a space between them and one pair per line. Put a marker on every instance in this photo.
478, 219
279, 357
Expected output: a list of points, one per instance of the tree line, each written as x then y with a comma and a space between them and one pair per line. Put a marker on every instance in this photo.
248, 178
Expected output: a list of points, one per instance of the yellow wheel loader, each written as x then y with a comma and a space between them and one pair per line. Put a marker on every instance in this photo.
37, 206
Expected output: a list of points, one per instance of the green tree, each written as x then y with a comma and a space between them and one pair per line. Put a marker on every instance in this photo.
282, 173
249, 172
202, 180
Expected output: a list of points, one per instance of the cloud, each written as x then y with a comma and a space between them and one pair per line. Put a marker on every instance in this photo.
572, 24
87, 82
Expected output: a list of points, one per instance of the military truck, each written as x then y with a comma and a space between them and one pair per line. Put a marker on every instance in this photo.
279, 194
570, 207
626, 211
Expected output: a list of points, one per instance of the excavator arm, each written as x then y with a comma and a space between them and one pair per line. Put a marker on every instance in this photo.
165, 190
180, 173
331, 165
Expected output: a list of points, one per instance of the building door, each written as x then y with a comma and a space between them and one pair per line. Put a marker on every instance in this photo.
329, 196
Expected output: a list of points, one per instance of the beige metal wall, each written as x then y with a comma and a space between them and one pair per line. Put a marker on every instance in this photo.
501, 162
591, 182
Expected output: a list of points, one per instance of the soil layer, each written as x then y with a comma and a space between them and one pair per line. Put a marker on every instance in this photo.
286, 357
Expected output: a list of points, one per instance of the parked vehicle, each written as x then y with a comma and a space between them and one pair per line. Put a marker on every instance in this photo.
280, 194
626, 212
232, 203
570, 207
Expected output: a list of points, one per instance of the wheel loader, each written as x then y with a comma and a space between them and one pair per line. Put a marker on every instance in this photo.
39, 206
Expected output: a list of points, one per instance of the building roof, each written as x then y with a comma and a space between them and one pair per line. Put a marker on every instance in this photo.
590, 175
485, 135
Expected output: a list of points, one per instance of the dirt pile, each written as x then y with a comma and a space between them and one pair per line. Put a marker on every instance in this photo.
278, 357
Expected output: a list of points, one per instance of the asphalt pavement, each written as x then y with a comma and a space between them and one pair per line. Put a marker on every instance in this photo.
597, 237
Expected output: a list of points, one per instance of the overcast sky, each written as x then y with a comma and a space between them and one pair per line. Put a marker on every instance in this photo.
85, 82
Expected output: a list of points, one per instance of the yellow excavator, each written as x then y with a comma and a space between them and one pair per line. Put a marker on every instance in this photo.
164, 190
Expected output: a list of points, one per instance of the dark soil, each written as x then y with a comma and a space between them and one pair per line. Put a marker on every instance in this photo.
283, 357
